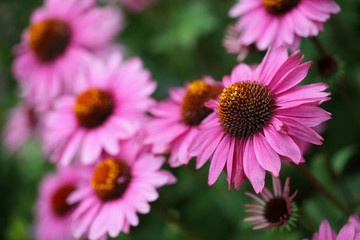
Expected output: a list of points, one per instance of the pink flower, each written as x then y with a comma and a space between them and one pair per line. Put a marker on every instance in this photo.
280, 22
137, 5
61, 39
20, 126
118, 187
259, 118
275, 209
233, 45
351, 231
109, 104
53, 213
176, 120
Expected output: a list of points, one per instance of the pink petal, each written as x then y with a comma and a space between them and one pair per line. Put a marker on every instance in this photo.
325, 231
310, 116
253, 171
265, 155
91, 147
295, 76
219, 159
282, 143
237, 174
241, 72
347, 232
302, 132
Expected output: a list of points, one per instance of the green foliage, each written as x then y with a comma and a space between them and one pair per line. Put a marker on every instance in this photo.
179, 41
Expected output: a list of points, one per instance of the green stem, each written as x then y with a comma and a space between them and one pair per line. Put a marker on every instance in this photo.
315, 182
319, 46
339, 180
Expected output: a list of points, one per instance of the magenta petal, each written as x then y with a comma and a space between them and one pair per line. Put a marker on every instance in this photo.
99, 225
302, 132
238, 168
267, 37
91, 147
310, 116
265, 155
82, 226
311, 93
253, 171
242, 72
219, 159
205, 146
243, 7
272, 61
325, 231
292, 78
116, 221
347, 232
282, 144
285, 68
70, 149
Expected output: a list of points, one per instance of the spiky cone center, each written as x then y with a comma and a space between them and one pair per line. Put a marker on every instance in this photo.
49, 39
280, 7
93, 107
58, 200
245, 108
276, 210
111, 179
198, 92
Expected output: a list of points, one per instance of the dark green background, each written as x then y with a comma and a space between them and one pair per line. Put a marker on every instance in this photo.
180, 40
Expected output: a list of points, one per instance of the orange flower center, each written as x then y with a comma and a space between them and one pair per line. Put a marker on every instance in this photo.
49, 39
193, 110
93, 107
110, 179
58, 200
245, 108
279, 7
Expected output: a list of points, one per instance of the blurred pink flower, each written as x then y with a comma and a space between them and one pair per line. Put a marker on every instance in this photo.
272, 23
258, 118
176, 120
118, 187
61, 39
109, 104
137, 5
53, 213
351, 231
233, 45
20, 126
275, 209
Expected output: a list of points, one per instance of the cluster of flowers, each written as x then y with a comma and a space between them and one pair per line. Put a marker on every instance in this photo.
93, 113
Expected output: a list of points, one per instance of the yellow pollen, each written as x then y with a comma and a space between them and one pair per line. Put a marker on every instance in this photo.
110, 179
279, 7
198, 92
93, 107
49, 39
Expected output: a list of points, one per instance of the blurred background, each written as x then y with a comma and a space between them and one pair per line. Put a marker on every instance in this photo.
180, 41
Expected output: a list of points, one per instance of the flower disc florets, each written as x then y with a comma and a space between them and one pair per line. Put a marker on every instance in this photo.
193, 110
58, 200
279, 7
245, 108
93, 107
110, 179
49, 39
